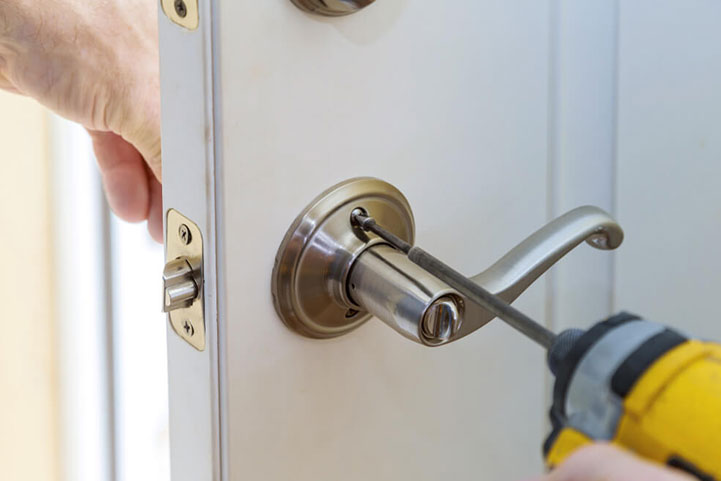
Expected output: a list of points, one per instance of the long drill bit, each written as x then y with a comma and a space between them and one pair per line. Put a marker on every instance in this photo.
459, 282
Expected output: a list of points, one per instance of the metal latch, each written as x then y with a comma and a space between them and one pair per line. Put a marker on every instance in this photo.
183, 279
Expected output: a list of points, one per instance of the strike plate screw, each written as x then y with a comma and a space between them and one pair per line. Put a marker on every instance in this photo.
184, 233
188, 328
181, 9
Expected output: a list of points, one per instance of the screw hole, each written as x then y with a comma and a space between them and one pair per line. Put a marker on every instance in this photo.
351, 313
352, 286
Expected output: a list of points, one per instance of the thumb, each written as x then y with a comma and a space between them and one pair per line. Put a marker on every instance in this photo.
124, 176
603, 462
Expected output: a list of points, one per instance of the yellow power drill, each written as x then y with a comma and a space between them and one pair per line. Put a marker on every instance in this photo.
628, 381
641, 386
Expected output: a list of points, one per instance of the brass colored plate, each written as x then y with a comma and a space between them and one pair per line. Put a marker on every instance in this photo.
183, 12
314, 260
184, 239
332, 8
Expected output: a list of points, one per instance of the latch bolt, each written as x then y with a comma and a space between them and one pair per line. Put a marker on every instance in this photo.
179, 284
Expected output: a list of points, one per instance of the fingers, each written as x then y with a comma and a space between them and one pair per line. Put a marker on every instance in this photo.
146, 139
603, 462
7, 85
124, 176
149, 146
133, 191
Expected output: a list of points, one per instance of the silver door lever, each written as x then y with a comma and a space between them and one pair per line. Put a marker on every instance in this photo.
473, 290
334, 270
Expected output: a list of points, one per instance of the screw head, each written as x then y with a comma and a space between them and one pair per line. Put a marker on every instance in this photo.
184, 233
188, 328
180, 8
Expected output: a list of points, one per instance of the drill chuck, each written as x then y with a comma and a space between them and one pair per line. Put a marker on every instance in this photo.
562, 345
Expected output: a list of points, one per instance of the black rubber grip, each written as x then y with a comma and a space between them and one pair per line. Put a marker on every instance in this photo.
566, 367
642, 358
683, 465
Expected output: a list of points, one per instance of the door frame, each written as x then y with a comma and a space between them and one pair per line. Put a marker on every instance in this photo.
190, 186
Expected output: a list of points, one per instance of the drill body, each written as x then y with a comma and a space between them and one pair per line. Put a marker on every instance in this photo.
642, 386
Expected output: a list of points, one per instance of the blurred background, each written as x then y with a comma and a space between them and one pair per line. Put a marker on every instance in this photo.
83, 378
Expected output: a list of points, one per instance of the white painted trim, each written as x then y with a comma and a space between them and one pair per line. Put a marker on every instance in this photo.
189, 187
84, 365
213, 77
582, 150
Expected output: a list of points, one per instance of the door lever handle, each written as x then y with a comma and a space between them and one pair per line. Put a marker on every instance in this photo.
506, 279
331, 274
526, 262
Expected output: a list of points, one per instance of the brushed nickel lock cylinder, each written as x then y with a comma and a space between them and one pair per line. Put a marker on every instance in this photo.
333, 262
442, 320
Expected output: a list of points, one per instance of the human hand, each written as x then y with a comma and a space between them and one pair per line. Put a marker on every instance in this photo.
603, 462
95, 63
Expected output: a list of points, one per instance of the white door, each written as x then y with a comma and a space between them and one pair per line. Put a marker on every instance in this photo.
477, 110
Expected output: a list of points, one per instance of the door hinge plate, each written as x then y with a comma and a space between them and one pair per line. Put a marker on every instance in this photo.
183, 279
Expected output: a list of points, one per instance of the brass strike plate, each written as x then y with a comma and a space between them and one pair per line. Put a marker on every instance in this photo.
184, 240
183, 12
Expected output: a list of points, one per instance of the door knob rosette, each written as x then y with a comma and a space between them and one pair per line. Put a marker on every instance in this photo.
332, 8
331, 276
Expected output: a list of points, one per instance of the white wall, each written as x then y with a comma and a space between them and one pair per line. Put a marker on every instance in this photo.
29, 419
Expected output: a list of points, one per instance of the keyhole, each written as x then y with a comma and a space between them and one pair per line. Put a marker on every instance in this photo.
443, 320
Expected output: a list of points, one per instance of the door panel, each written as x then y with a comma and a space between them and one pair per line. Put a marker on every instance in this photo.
491, 116
669, 146
448, 104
